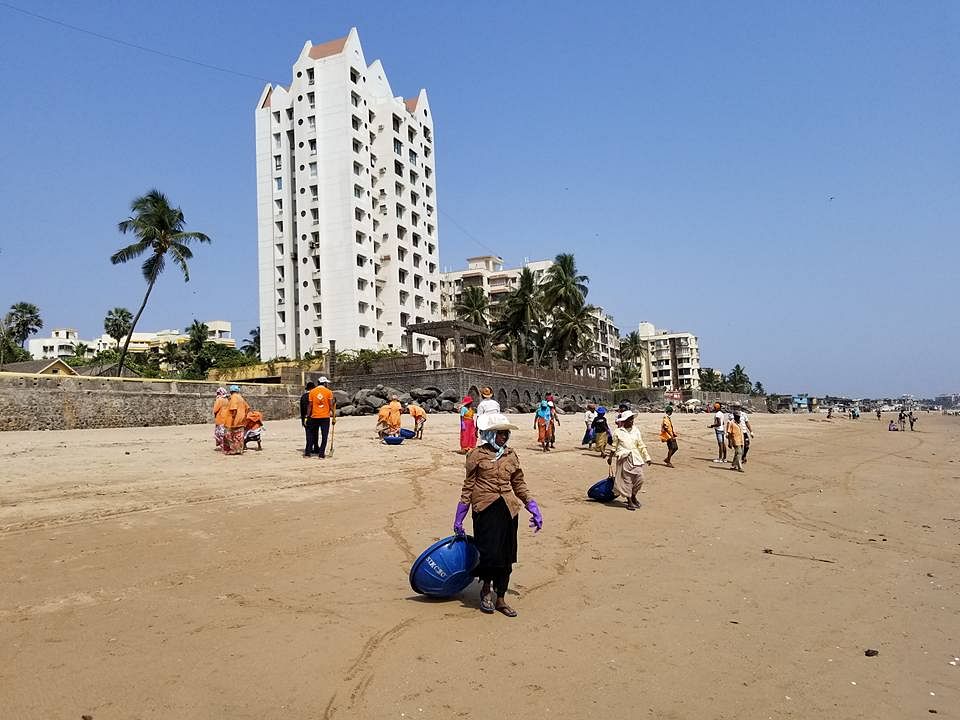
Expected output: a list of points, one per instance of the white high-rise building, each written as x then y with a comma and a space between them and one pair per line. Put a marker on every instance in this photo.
672, 360
346, 207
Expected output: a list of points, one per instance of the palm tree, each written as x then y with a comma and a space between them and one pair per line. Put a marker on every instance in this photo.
474, 307
710, 380
158, 228
198, 332
251, 346
633, 348
758, 388
521, 314
626, 375
117, 323
24, 320
171, 356
80, 350
563, 286
571, 331
738, 381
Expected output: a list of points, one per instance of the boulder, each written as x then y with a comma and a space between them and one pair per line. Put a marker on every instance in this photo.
450, 394
346, 410
446, 406
431, 405
341, 397
424, 393
405, 398
569, 405
379, 391
360, 396
374, 401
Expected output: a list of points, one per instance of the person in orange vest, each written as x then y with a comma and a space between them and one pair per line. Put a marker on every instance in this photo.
419, 416
321, 413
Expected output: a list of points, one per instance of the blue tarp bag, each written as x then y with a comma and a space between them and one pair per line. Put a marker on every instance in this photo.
393, 440
446, 567
602, 491
407, 434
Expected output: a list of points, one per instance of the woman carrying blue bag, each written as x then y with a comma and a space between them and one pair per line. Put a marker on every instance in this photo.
495, 488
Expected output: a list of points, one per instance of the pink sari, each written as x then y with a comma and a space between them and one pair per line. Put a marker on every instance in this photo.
468, 429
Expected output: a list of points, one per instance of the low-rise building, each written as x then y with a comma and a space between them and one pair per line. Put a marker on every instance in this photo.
63, 341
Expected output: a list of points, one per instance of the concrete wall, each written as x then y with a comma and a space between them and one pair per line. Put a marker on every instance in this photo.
53, 402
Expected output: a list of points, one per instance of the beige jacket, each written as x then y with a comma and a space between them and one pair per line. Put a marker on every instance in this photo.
488, 479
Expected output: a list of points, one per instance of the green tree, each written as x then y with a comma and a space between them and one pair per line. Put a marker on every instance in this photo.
571, 331
24, 320
710, 380
10, 351
758, 388
251, 346
738, 381
520, 317
172, 356
473, 307
159, 229
564, 286
626, 375
80, 350
117, 323
633, 349
199, 334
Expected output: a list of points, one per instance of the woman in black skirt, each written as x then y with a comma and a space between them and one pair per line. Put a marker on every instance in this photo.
495, 488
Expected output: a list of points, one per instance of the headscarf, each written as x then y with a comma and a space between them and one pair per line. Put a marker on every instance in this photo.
668, 409
234, 388
489, 437
467, 400
221, 392
544, 410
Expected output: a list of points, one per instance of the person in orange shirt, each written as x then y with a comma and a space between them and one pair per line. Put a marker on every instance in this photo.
321, 412
382, 425
668, 435
236, 419
419, 416
219, 416
394, 410
253, 429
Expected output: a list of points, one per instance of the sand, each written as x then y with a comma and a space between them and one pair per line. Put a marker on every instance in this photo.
146, 576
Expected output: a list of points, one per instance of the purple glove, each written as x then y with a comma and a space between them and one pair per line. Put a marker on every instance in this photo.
458, 520
536, 522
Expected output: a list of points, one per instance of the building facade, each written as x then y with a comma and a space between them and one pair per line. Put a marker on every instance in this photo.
487, 272
63, 341
346, 208
672, 360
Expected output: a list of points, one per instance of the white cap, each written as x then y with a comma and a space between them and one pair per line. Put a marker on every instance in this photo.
322, 380
625, 415
495, 421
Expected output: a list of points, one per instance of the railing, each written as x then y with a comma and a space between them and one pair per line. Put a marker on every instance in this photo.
469, 361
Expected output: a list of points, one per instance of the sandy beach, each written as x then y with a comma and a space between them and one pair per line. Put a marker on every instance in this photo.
146, 576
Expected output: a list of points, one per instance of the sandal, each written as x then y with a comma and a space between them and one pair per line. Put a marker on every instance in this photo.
486, 605
506, 610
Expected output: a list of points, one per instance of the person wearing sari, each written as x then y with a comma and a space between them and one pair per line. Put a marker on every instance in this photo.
219, 417
394, 410
543, 423
468, 426
494, 487
630, 454
419, 416
236, 419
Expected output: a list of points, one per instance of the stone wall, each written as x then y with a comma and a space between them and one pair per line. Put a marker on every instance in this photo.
54, 402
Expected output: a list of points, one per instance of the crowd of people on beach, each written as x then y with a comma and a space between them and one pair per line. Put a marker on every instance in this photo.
235, 424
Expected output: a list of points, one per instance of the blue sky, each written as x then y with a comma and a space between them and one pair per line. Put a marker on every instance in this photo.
685, 152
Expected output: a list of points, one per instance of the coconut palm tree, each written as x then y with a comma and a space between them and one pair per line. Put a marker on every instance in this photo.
171, 355
24, 320
520, 315
474, 307
80, 350
571, 331
117, 323
738, 381
158, 227
198, 332
251, 346
633, 348
563, 285
626, 375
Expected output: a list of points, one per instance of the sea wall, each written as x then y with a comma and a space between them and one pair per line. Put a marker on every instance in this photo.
55, 402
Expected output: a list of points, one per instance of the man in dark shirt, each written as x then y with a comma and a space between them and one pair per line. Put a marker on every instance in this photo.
304, 405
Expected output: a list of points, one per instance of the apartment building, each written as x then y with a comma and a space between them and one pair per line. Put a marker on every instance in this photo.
62, 341
487, 272
672, 360
346, 207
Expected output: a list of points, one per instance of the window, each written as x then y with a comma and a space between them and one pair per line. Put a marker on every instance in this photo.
313, 193
357, 168
362, 307
313, 169
412, 156
361, 284
309, 76
411, 134
413, 177
404, 319
357, 191
276, 140
401, 253
278, 183
358, 214
289, 113
278, 205
356, 122
312, 100
429, 191
361, 261
396, 123
416, 240
401, 232
414, 198
417, 282
398, 168
276, 116
354, 99
357, 145
313, 147
279, 225
432, 267
315, 216
428, 172
416, 260
398, 188
400, 210
430, 230
426, 151
403, 276
398, 147
414, 219
354, 75
360, 237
